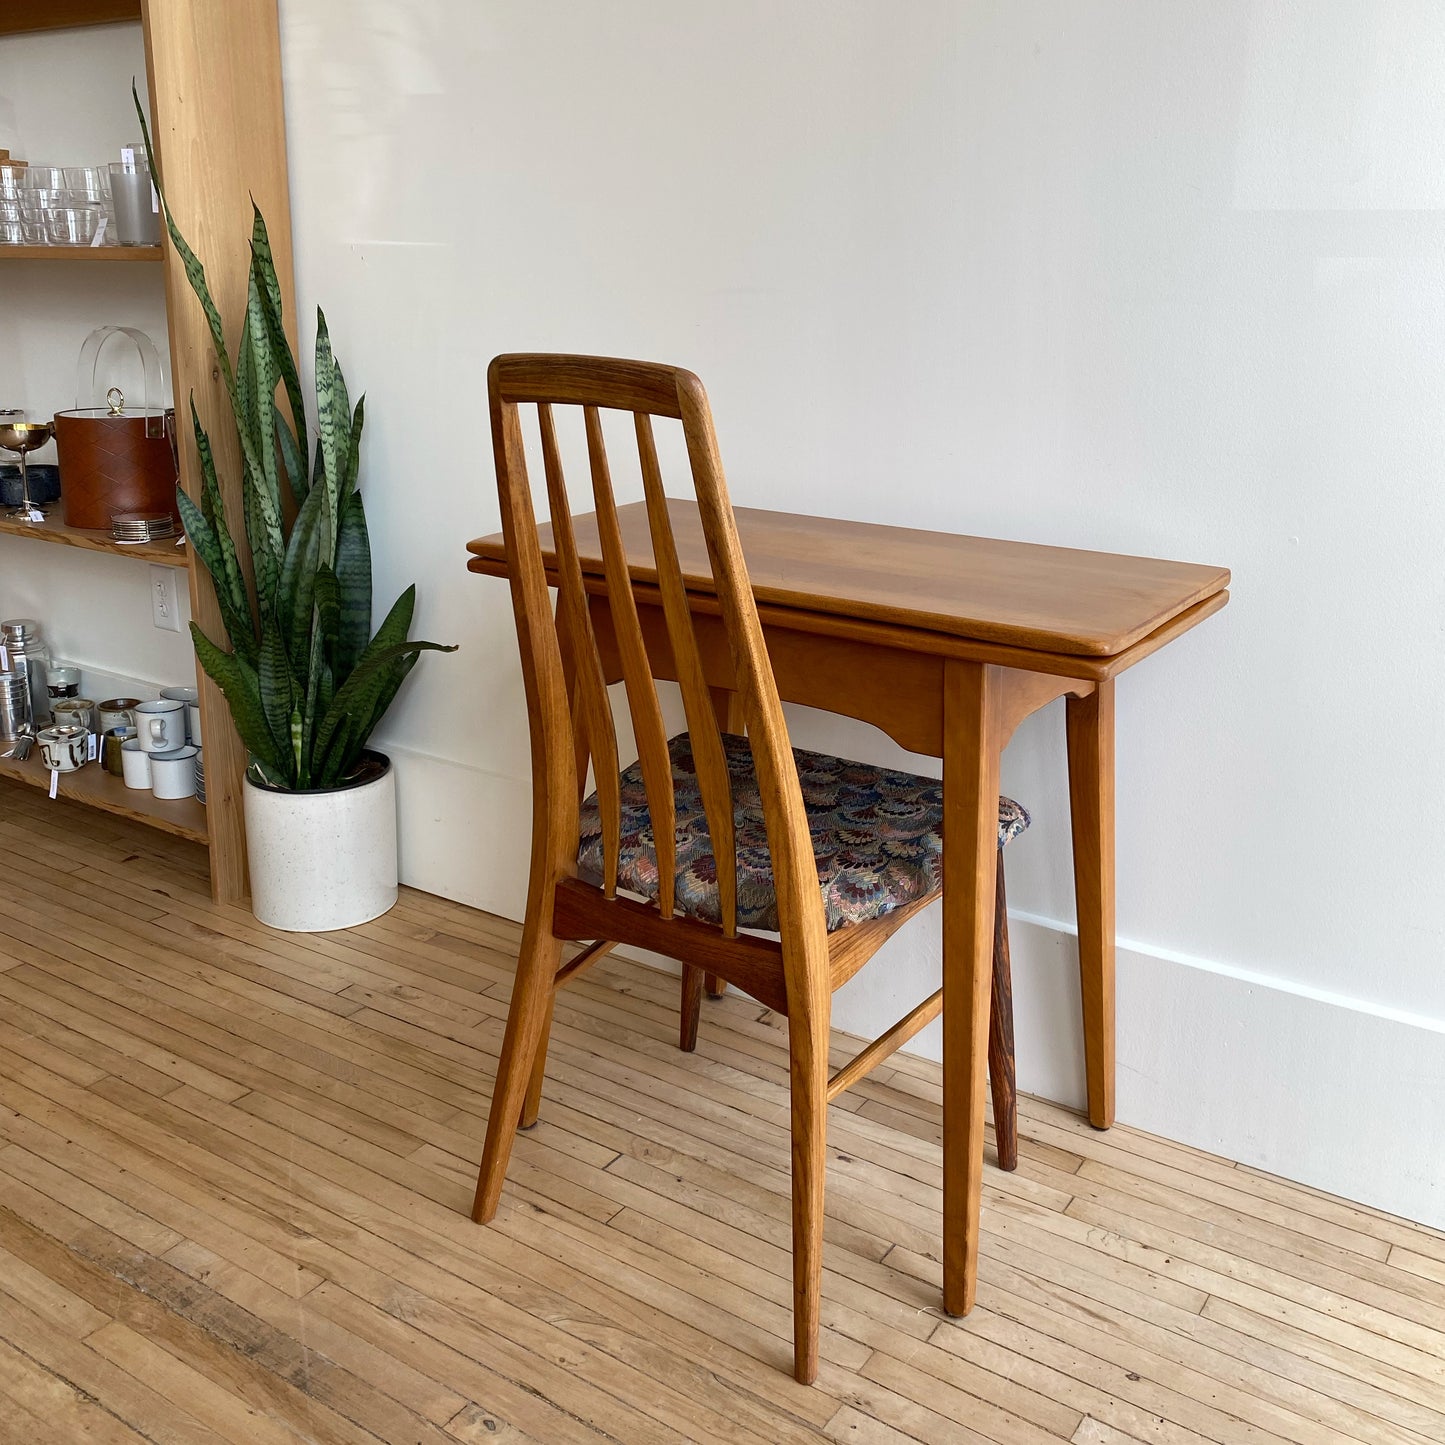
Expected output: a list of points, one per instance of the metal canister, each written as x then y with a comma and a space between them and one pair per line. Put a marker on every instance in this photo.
14, 705
26, 653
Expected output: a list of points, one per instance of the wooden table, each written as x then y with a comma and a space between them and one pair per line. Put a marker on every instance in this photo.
960, 639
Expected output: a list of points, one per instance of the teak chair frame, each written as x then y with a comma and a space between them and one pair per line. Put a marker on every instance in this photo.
571, 723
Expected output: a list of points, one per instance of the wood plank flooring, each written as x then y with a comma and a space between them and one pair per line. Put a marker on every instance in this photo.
235, 1168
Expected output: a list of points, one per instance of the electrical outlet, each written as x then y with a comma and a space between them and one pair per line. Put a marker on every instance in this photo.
165, 602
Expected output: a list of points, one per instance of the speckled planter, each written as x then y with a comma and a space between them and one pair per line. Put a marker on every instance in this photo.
322, 860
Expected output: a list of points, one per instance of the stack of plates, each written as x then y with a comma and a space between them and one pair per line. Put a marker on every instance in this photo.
200, 777
141, 526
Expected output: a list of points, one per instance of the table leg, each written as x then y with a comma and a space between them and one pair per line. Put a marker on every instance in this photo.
970, 834
1090, 727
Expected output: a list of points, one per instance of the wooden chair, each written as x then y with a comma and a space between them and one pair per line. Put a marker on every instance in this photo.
712, 828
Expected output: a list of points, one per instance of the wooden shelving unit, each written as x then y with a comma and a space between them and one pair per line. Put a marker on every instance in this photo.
52, 529
18, 17
92, 785
214, 74
80, 253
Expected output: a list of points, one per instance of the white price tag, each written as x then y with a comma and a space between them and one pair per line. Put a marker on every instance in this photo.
54, 781
90, 748
4, 659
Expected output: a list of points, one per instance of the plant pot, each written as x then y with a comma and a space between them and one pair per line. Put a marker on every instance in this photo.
323, 860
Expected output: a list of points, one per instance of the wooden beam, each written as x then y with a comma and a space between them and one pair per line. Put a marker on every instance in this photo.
219, 127
886, 1044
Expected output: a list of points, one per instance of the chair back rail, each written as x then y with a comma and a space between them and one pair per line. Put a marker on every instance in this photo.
569, 707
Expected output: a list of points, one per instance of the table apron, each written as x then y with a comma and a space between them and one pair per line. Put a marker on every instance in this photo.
893, 688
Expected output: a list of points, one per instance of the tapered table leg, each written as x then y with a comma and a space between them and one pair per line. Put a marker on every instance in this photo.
970, 848
1090, 726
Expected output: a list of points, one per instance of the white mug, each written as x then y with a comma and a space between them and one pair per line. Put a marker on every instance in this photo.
161, 725
135, 763
192, 698
173, 774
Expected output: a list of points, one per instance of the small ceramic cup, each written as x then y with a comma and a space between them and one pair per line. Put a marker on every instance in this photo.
173, 774
192, 699
63, 749
78, 712
118, 712
135, 764
63, 682
161, 725
112, 742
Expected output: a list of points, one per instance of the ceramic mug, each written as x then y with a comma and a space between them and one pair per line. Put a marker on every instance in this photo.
193, 722
118, 712
63, 682
192, 699
112, 741
135, 763
161, 725
173, 774
63, 749
78, 712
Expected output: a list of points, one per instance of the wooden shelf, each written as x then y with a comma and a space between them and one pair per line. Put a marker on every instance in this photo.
80, 253
18, 17
93, 786
52, 529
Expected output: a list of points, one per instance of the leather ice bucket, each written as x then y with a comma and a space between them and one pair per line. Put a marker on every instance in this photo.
115, 457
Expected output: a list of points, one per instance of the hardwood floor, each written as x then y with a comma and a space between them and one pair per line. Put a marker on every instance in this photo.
235, 1168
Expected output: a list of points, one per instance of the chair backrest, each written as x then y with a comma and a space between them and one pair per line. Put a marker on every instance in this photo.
568, 705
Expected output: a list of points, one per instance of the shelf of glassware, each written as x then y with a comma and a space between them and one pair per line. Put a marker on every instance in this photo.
93, 786
80, 253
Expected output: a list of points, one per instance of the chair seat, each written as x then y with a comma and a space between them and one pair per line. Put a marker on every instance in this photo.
876, 837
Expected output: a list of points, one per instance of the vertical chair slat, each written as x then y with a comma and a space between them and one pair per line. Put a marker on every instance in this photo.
593, 729
642, 700
702, 724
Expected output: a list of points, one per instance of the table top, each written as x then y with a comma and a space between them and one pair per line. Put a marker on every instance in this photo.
1050, 599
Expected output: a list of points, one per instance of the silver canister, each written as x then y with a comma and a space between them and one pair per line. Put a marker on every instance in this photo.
26, 653
14, 705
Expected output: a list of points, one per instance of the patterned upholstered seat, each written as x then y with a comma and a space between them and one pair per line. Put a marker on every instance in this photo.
876, 837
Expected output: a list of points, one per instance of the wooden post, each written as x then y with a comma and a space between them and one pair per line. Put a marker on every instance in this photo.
217, 121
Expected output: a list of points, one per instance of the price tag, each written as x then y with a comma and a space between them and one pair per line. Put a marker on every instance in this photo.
4, 659
54, 781
90, 747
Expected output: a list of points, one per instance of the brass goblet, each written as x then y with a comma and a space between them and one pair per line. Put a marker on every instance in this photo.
25, 437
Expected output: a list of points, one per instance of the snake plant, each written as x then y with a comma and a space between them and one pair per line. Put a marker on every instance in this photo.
306, 680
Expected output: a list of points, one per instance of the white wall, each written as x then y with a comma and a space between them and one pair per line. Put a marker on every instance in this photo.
1163, 279
65, 100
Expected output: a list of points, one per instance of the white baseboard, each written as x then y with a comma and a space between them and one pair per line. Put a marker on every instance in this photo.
1328, 1090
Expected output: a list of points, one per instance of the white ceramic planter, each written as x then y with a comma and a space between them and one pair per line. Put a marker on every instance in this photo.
322, 860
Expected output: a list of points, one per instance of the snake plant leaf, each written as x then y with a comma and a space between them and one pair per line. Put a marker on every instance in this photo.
353, 712
293, 456
239, 626
327, 608
353, 572
278, 694
296, 588
213, 508
264, 267
265, 377
195, 272
241, 686
333, 421
353, 452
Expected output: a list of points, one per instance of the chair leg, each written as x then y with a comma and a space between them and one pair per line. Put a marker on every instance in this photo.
532, 1104
691, 1007
808, 1049
1001, 1037
532, 994
714, 986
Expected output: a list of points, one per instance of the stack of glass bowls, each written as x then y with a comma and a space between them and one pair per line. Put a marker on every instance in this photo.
55, 205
